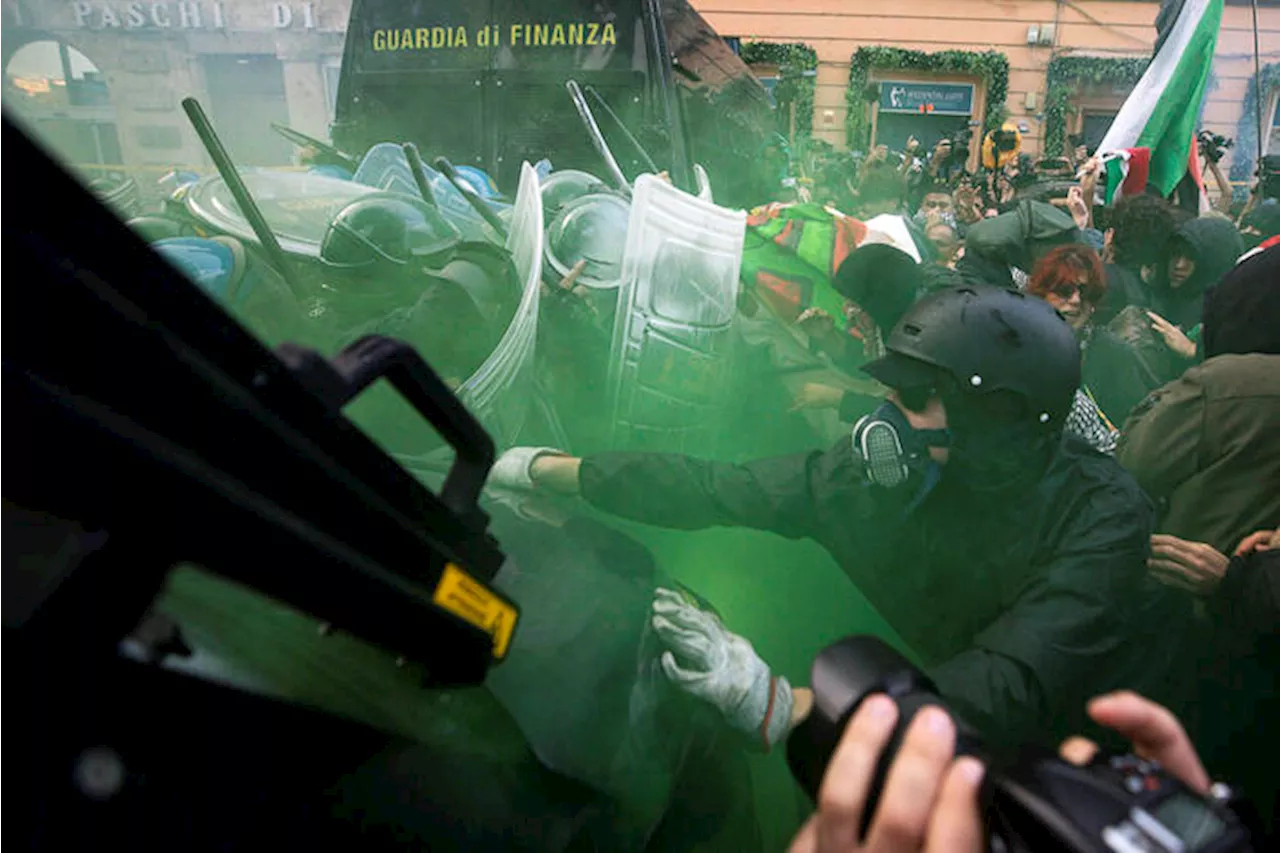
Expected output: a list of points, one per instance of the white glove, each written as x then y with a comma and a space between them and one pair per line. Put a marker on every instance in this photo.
511, 471
719, 667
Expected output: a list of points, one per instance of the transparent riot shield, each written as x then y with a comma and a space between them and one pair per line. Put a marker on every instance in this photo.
500, 391
704, 182
386, 167
673, 336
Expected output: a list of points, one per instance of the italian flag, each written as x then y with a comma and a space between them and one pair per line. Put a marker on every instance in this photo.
1163, 113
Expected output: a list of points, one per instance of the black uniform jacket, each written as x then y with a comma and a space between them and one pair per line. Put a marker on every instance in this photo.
1022, 608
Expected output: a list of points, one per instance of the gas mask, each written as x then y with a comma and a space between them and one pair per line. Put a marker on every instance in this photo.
891, 449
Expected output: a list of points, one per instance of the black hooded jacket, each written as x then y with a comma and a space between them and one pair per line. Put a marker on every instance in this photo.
1023, 608
1122, 367
1242, 315
1215, 245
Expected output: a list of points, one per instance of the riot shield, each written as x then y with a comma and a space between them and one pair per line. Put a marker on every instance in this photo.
499, 392
673, 336
385, 166
704, 183
297, 206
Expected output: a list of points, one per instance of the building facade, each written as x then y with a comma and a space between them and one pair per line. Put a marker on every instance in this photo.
1067, 66
105, 80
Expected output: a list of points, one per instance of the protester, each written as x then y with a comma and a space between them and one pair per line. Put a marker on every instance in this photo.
1200, 252
1150, 343
1010, 560
883, 282
880, 283
1002, 251
936, 202
1140, 227
945, 238
1261, 224
1204, 446
1236, 659
880, 190
1126, 360
1070, 278
967, 201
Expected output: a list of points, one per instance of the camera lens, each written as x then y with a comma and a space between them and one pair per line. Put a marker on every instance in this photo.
842, 676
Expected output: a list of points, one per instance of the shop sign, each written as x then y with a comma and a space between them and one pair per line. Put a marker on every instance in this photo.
947, 99
186, 15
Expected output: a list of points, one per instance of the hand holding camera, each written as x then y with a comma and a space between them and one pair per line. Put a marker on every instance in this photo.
1213, 146
905, 778
932, 800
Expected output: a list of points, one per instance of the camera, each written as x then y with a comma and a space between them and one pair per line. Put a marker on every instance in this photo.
1032, 800
957, 156
1212, 145
1005, 140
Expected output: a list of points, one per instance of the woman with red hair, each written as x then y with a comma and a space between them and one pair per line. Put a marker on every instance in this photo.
1072, 280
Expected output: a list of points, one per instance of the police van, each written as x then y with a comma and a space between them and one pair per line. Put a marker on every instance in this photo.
484, 83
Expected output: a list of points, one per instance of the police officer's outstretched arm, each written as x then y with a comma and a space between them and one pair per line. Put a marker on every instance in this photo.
681, 492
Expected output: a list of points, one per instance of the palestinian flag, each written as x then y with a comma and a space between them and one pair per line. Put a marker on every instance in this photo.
791, 253
1126, 173
1163, 113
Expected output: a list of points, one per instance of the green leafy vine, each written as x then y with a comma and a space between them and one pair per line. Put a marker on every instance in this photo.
1065, 75
794, 85
992, 67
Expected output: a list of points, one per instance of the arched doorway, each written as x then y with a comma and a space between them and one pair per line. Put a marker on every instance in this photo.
61, 95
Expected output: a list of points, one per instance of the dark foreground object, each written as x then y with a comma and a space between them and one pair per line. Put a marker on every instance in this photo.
153, 431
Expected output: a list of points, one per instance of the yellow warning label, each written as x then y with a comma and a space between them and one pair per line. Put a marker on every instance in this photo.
466, 598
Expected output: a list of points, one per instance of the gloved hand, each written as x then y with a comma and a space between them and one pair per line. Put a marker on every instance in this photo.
511, 470
719, 667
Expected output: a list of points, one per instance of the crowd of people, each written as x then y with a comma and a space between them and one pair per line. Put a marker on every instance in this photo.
1088, 398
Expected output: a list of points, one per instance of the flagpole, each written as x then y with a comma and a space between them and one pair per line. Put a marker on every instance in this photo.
1257, 82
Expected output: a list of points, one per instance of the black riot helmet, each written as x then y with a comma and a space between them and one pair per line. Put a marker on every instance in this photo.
386, 231
984, 340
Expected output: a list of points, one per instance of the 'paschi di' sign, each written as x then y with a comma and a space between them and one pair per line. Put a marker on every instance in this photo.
511, 35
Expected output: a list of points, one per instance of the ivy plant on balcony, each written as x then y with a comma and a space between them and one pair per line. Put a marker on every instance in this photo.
1066, 74
794, 85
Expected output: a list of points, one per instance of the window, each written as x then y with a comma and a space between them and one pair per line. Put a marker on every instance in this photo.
770, 84
1094, 127
332, 70
1271, 130
57, 92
